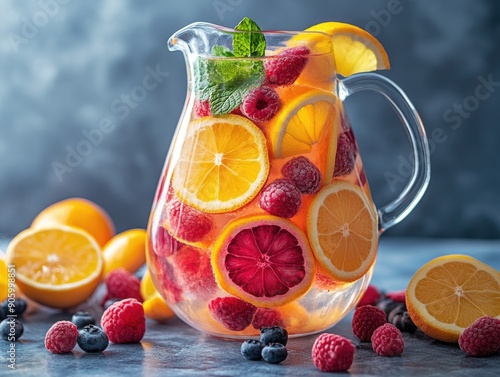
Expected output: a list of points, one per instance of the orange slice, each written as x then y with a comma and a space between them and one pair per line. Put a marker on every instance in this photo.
264, 260
4, 281
354, 49
59, 266
448, 293
307, 123
80, 213
222, 165
342, 230
157, 309
125, 250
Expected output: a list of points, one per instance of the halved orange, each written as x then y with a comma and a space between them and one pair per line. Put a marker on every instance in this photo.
307, 124
58, 266
80, 213
343, 231
125, 250
449, 293
222, 165
264, 260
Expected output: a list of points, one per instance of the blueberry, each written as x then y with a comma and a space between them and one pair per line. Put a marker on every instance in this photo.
251, 349
17, 308
11, 329
273, 334
274, 353
82, 319
92, 339
386, 304
400, 318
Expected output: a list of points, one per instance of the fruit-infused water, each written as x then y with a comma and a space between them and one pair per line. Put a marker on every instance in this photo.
263, 215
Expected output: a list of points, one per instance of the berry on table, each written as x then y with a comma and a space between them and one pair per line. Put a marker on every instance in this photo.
61, 337
274, 353
332, 353
481, 338
345, 158
387, 305
251, 349
124, 321
370, 297
287, 66
233, 313
92, 339
185, 222
11, 329
303, 174
122, 284
281, 198
261, 104
387, 341
400, 318
82, 319
397, 296
274, 334
16, 308
366, 320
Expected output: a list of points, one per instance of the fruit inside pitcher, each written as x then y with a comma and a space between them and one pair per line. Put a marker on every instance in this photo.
263, 216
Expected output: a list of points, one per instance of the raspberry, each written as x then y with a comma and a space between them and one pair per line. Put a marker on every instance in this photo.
122, 284
61, 337
267, 318
286, 66
233, 313
387, 341
332, 353
124, 322
281, 198
169, 284
481, 338
164, 244
346, 154
303, 174
397, 296
366, 320
261, 104
201, 108
371, 296
194, 270
185, 222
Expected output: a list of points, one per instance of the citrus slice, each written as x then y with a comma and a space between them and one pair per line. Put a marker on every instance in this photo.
448, 293
308, 124
264, 260
343, 232
147, 286
157, 309
354, 49
4, 281
125, 250
222, 165
59, 266
80, 213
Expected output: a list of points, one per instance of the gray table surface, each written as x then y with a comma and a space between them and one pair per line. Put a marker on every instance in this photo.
175, 349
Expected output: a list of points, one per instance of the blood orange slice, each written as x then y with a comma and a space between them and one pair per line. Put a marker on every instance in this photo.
264, 260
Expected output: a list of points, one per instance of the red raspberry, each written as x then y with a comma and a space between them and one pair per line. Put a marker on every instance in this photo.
194, 270
332, 353
124, 322
164, 244
345, 158
169, 284
122, 284
261, 104
388, 341
371, 296
366, 320
233, 313
286, 66
481, 338
303, 174
397, 296
267, 318
61, 337
185, 222
201, 108
281, 198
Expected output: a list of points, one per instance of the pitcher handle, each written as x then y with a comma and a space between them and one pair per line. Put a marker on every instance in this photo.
398, 209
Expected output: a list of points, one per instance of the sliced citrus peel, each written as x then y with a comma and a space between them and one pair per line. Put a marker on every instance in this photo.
222, 165
343, 231
264, 260
448, 293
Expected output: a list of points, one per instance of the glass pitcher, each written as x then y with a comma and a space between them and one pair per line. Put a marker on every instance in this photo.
263, 214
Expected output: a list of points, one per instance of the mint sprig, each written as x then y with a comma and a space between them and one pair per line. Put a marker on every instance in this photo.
224, 81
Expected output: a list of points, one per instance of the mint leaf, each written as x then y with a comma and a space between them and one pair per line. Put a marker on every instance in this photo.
222, 51
225, 101
249, 44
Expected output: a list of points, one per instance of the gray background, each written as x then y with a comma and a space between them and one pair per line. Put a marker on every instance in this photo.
62, 77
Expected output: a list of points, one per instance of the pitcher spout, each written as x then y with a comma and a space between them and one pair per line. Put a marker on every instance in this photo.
196, 38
